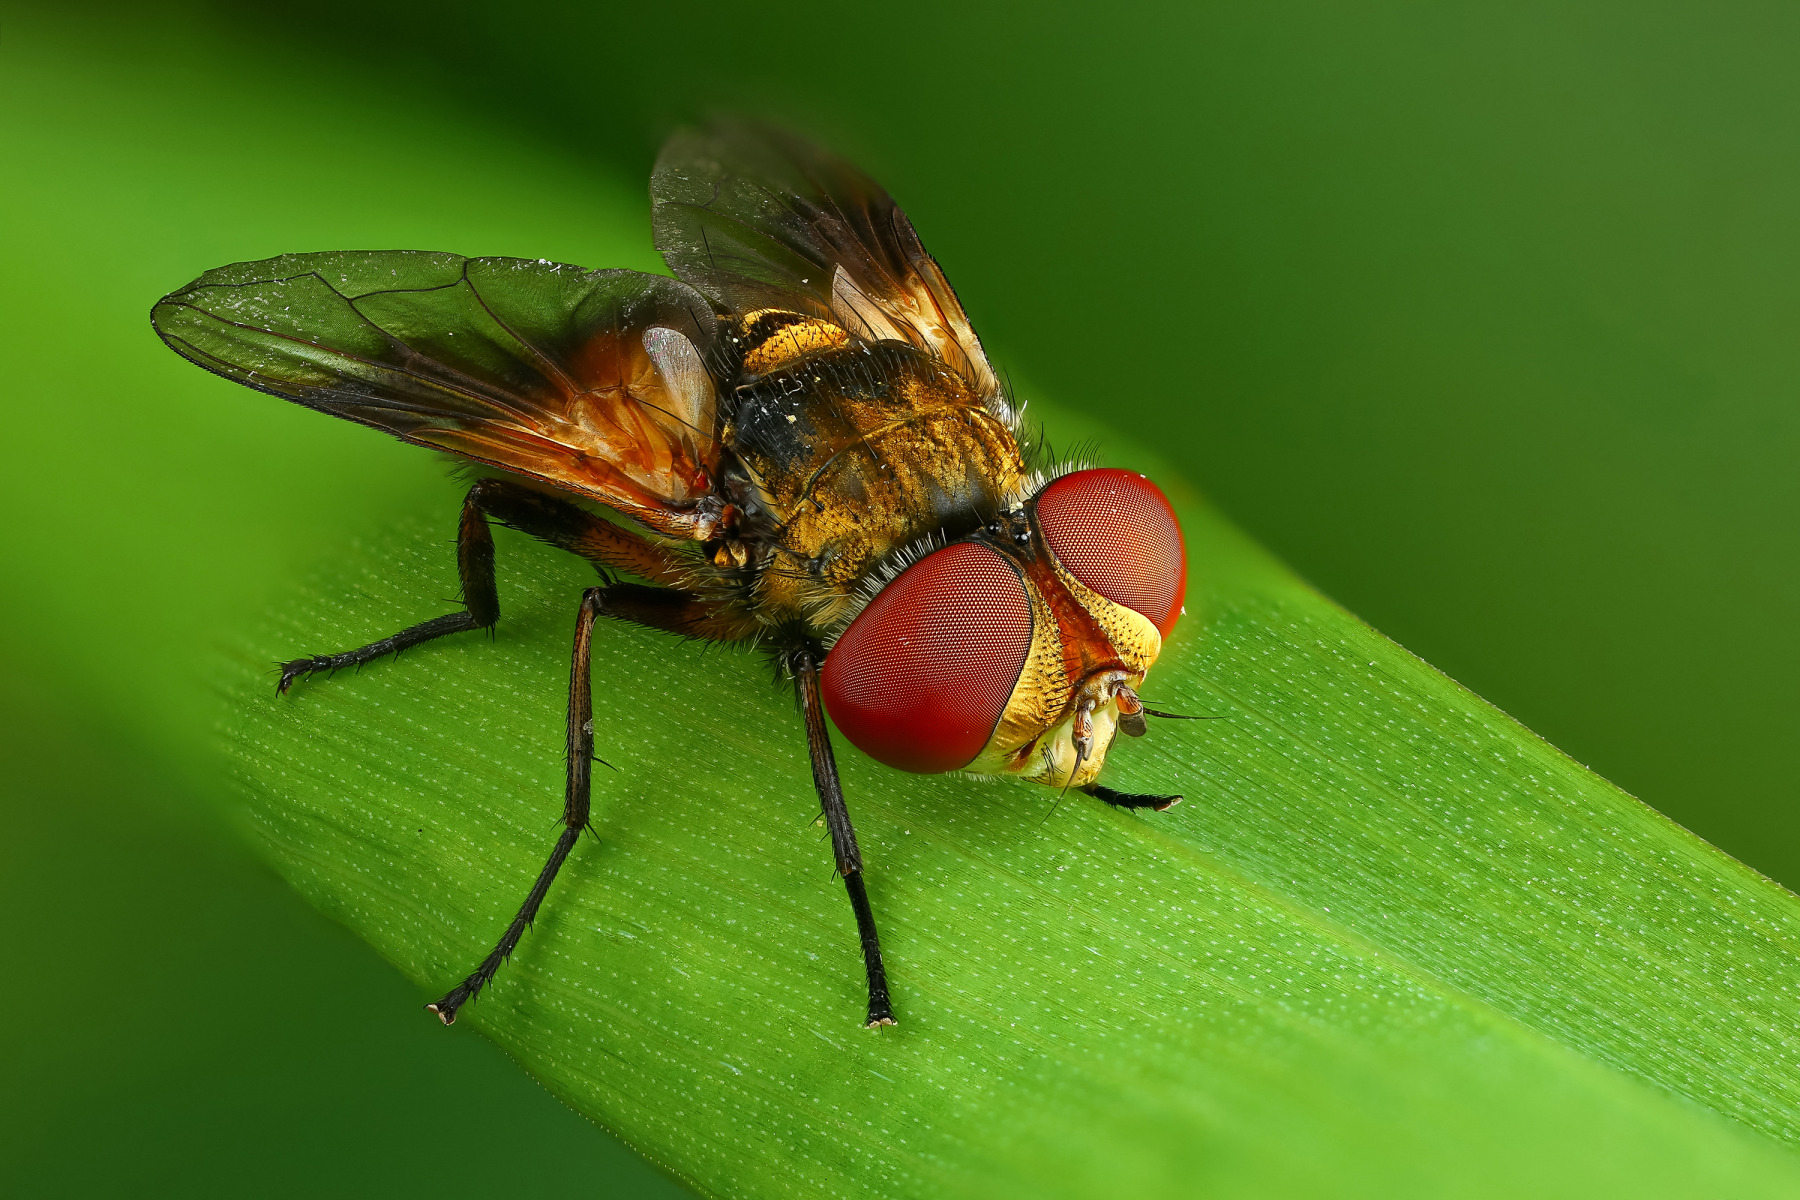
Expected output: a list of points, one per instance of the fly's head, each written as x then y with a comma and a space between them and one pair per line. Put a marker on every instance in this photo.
1018, 651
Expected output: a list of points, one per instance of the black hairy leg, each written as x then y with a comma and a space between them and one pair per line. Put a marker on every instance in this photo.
803, 662
659, 608
1131, 799
576, 799
545, 517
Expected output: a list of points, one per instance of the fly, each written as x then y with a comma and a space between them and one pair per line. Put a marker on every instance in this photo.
802, 446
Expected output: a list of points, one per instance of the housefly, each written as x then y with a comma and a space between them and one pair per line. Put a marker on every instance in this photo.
801, 444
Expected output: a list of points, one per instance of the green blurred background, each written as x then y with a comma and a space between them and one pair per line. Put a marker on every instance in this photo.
1483, 315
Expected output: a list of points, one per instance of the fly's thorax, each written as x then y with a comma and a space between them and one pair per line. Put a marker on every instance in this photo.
768, 340
850, 452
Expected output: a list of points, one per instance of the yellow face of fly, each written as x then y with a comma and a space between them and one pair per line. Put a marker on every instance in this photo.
1087, 658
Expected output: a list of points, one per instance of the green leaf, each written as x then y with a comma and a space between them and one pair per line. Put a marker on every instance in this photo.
1391, 944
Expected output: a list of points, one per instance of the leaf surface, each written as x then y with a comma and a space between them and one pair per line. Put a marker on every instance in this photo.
1392, 943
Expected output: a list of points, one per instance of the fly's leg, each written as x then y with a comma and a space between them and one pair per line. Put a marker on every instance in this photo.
546, 518
659, 608
1131, 799
804, 665
576, 796
474, 562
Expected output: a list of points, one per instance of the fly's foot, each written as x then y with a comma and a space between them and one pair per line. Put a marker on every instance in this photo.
1131, 799
300, 668
881, 1012
445, 1009
457, 622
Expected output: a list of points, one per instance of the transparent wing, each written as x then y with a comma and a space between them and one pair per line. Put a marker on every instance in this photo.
756, 218
596, 381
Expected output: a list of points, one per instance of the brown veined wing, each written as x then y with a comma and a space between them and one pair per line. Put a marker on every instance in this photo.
596, 381
757, 218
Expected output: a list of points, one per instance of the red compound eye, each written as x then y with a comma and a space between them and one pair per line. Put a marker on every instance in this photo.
922, 676
1115, 532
